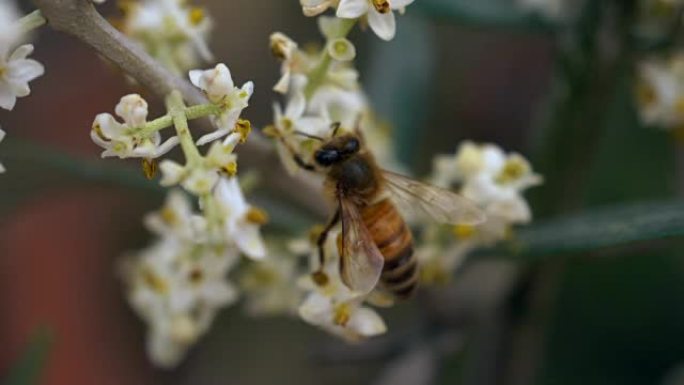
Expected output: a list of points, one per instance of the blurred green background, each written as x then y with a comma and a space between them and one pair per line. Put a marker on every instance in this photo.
559, 92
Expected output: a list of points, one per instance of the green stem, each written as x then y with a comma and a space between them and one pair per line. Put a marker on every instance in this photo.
191, 113
202, 110
31, 21
176, 108
318, 74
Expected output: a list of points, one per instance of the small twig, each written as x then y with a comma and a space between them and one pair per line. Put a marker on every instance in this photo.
80, 19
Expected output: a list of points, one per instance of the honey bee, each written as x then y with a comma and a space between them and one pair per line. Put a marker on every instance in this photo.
376, 244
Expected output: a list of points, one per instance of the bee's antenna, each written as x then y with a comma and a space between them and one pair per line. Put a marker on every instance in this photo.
304, 134
336, 128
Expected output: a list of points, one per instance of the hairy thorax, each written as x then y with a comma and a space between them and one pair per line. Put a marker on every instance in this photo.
356, 178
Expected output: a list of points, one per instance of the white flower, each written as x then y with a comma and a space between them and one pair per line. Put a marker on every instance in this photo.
316, 7
660, 92
219, 87
269, 288
2, 136
177, 286
9, 28
493, 180
380, 14
16, 71
170, 30
200, 176
126, 140
241, 221
294, 61
176, 218
332, 306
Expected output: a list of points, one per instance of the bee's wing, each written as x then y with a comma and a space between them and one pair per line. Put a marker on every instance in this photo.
437, 203
360, 260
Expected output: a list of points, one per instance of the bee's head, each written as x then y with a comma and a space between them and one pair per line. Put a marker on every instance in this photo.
337, 150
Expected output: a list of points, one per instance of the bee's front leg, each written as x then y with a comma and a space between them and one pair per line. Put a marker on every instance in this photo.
319, 276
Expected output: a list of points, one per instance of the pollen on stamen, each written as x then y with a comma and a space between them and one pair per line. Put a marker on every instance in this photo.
464, 231
342, 315
149, 167
196, 16
231, 169
257, 216
244, 128
382, 6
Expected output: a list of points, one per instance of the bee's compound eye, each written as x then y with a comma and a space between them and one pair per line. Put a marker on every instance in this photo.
352, 146
326, 157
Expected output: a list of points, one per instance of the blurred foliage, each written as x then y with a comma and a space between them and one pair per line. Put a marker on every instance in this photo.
30, 366
504, 14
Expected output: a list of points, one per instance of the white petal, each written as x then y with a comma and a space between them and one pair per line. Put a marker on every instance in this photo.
316, 309
196, 77
212, 136
24, 70
172, 172
352, 9
167, 146
219, 293
22, 52
7, 98
248, 239
283, 84
296, 106
384, 25
367, 322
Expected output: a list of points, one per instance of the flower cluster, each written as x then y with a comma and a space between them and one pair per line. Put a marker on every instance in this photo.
495, 182
321, 89
332, 306
660, 92
178, 283
170, 30
379, 14
128, 139
16, 70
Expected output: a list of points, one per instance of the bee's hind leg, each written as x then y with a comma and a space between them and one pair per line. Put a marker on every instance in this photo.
319, 276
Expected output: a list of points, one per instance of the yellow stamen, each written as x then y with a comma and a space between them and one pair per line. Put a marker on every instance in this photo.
342, 314
513, 170
646, 94
320, 278
382, 6
154, 281
169, 216
196, 276
196, 16
464, 231
231, 169
149, 167
243, 127
270, 132
257, 216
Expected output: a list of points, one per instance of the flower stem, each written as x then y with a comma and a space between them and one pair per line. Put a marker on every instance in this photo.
318, 74
176, 108
31, 21
202, 110
191, 113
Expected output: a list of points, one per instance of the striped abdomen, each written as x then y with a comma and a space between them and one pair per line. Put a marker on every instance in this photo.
393, 237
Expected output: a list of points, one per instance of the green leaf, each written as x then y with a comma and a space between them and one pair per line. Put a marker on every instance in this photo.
599, 229
31, 364
483, 13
